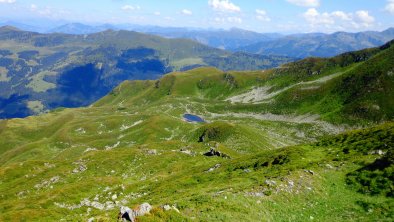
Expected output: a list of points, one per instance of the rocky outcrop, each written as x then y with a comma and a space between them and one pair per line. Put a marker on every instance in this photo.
214, 152
167, 207
218, 165
141, 210
48, 183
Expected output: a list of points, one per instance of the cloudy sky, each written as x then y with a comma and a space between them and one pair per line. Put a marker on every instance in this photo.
285, 16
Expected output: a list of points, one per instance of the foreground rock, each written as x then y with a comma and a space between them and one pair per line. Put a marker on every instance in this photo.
141, 210
214, 152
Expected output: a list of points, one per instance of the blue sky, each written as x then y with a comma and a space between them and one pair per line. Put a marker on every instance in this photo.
285, 16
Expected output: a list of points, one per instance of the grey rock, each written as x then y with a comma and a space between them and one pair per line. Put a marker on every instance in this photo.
377, 152
218, 165
329, 166
141, 210
80, 168
310, 172
213, 152
144, 208
152, 152
270, 183
166, 207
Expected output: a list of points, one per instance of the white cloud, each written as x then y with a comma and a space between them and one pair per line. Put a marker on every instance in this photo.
364, 18
224, 6
234, 20
157, 13
305, 3
186, 12
390, 6
338, 20
341, 15
313, 17
130, 8
228, 20
262, 15
7, 1
168, 18
33, 7
49, 12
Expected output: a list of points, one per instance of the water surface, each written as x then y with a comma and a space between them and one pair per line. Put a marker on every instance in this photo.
193, 118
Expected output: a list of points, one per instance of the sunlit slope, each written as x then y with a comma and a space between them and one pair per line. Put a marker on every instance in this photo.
351, 88
140, 112
319, 181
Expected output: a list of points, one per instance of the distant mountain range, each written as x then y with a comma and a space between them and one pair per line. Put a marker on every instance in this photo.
39, 72
223, 39
78, 28
320, 45
238, 40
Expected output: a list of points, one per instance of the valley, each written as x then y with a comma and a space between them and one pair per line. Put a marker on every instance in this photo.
62, 70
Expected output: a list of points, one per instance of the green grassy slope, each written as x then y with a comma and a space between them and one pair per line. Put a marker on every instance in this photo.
282, 159
298, 183
355, 87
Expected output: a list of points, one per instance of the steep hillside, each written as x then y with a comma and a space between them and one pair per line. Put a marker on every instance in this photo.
271, 146
320, 45
352, 88
39, 72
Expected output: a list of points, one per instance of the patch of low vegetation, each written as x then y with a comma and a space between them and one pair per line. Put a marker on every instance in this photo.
219, 131
376, 178
363, 141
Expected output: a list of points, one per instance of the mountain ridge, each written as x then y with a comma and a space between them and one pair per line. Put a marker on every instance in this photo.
321, 45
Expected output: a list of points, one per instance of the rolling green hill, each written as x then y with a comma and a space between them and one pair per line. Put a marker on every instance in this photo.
40, 72
276, 145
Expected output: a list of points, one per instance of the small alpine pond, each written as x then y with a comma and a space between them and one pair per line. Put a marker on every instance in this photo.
193, 118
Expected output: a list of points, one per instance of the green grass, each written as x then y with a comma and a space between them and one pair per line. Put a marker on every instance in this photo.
178, 64
38, 84
175, 178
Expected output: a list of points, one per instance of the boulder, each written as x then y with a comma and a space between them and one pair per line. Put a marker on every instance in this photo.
167, 207
143, 209
140, 210
214, 152
218, 165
